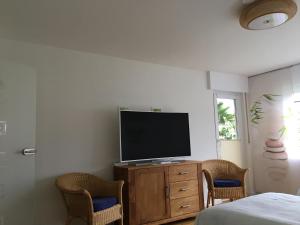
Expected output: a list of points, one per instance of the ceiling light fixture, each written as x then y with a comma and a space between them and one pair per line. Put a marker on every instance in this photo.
265, 14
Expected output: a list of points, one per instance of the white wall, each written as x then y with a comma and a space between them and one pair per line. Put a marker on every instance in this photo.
77, 100
227, 82
232, 151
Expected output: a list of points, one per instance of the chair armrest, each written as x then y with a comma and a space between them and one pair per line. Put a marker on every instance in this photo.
209, 179
109, 188
238, 174
79, 202
241, 175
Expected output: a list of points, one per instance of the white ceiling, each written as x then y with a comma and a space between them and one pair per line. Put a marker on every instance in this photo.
196, 34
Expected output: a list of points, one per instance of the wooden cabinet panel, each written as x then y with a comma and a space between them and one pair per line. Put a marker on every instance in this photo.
200, 186
183, 189
182, 206
184, 172
150, 195
159, 194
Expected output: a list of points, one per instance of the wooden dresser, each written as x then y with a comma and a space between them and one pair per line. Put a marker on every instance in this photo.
158, 194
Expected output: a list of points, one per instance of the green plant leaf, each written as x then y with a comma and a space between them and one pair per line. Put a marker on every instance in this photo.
268, 97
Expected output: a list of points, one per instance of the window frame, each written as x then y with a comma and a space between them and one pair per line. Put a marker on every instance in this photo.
238, 113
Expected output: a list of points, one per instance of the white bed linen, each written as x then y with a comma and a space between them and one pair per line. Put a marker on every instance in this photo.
262, 209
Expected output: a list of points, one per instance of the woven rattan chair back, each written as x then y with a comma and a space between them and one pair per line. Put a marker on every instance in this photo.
75, 181
221, 169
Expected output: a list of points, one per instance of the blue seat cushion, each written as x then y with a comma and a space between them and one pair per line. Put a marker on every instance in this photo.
103, 203
227, 183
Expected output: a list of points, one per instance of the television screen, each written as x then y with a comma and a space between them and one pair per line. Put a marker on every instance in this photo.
152, 135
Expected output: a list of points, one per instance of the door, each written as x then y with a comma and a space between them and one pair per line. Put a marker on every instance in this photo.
17, 132
229, 127
151, 195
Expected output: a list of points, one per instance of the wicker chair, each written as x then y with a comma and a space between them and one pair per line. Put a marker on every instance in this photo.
78, 189
225, 170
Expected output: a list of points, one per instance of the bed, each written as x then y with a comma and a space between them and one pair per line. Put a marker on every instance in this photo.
262, 209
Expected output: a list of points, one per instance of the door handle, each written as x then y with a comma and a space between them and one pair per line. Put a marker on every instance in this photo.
29, 151
167, 190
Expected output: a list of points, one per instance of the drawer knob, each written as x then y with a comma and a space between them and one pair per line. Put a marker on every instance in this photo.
183, 173
185, 206
183, 189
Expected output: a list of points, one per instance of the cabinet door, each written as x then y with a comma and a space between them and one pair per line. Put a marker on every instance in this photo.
152, 204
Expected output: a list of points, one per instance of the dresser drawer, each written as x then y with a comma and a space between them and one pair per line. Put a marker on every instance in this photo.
183, 189
182, 206
181, 173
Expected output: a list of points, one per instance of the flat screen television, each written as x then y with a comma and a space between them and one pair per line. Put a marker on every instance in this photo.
153, 135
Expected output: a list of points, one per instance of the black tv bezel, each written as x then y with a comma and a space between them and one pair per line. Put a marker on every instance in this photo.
152, 159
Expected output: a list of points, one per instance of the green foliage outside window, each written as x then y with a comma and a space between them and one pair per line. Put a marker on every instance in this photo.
227, 123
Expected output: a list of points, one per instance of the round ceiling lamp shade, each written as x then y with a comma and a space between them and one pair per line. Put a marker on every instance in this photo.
266, 14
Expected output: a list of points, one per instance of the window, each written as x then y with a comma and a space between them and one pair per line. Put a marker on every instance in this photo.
227, 118
291, 131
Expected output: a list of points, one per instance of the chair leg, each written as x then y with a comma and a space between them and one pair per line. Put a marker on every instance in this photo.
120, 221
89, 222
208, 199
68, 220
213, 200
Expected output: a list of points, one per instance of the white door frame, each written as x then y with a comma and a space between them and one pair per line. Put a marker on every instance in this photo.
240, 124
